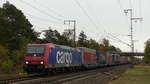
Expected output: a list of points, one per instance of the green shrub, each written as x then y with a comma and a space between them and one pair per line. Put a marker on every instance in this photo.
17, 56
4, 53
7, 66
146, 60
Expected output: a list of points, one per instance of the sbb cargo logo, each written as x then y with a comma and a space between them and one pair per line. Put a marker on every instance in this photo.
64, 57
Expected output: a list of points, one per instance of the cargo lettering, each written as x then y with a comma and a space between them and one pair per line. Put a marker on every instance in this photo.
64, 57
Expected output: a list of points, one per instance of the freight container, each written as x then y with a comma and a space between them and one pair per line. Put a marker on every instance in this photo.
109, 59
62, 56
101, 58
125, 60
88, 57
122, 59
115, 58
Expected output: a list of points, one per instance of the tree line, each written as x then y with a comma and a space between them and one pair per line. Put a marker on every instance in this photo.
16, 32
147, 52
66, 38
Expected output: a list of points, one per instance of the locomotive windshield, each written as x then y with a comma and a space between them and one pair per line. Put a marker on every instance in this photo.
35, 51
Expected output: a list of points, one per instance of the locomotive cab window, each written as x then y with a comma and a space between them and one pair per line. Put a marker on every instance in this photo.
35, 51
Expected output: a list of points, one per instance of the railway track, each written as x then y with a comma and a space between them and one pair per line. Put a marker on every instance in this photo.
24, 78
68, 78
82, 77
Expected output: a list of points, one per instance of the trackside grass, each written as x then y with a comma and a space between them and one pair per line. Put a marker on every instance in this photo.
140, 74
10, 76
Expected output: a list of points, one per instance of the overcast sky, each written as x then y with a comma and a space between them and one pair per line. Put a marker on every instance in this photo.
96, 18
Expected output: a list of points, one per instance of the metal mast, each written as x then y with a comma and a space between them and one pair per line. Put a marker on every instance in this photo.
131, 27
74, 22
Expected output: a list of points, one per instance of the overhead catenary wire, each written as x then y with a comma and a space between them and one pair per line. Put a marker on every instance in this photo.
120, 5
122, 8
51, 10
96, 17
119, 34
117, 39
43, 22
100, 22
110, 38
41, 11
40, 18
94, 14
85, 12
87, 32
34, 21
91, 11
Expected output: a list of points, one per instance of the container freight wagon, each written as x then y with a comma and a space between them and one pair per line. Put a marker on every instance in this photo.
88, 57
101, 58
115, 58
123, 59
45, 57
109, 58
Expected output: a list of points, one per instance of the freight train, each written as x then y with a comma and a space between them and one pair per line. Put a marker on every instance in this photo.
51, 57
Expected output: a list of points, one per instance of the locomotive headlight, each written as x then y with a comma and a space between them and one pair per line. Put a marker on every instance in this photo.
27, 62
42, 62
